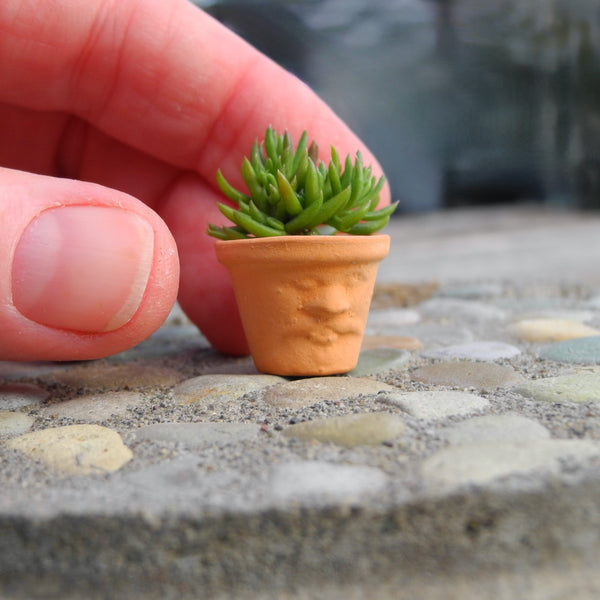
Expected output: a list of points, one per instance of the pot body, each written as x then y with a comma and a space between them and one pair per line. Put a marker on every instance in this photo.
304, 300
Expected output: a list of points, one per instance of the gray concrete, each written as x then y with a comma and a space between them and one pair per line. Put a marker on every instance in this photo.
495, 244
260, 515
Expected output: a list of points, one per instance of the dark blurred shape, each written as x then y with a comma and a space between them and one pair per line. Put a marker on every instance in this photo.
492, 186
271, 27
463, 102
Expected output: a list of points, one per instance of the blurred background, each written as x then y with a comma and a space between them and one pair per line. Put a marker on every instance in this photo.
464, 102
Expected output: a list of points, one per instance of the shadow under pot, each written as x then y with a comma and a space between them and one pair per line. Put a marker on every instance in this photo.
304, 300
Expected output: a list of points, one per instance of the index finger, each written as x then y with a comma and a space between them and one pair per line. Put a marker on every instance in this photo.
162, 77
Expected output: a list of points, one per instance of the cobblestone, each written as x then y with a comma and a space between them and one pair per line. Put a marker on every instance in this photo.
551, 330
583, 351
437, 404
495, 428
18, 395
94, 408
488, 350
74, 449
576, 387
368, 429
307, 392
379, 360
323, 482
12, 423
467, 374
197, 434
483, 463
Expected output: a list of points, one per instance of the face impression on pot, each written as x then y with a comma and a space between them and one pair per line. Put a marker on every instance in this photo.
328, 308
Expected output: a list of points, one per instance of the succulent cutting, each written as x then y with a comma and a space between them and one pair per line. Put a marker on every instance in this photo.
292, 192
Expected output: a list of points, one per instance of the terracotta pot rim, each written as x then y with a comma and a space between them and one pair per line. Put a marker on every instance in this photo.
304, 248
306, 239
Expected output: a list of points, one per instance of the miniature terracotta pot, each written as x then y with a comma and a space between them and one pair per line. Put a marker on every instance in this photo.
304, 300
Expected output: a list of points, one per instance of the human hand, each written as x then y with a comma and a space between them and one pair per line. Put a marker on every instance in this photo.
114, 117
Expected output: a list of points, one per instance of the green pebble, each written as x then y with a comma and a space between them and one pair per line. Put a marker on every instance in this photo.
584, 351
577, 387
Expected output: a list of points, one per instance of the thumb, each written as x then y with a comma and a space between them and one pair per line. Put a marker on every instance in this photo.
85, 271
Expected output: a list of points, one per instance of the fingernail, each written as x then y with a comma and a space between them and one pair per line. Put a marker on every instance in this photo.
83, 268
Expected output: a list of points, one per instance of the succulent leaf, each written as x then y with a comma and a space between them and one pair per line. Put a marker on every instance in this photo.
256, 157
256, 190
256, 213
312, 185
246, 222
229, 190
368, 227
333, 206
307, 219
218, 232
347, 174
271, 146
293, 193
300, 151
288, 195
335, 159
334, 177
275, 223
382, 212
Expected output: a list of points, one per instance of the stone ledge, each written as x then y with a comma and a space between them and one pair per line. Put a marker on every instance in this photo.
483, 544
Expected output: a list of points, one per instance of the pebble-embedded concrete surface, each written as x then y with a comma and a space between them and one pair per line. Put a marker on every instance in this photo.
459, 460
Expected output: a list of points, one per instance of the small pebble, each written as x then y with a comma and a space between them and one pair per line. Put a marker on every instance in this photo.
322, 482
307, 392
230, 365
104, 376
561, 314
470, 291
17, 395
378, 360
440, 334
197, 433
594, 303
537, 306
550, 330
399, 342
11, 370
390, 321
487, 351
165, 342
436, 405
583, 351
467, 310
495, 428
226, 388
393, 294
467, 374
577, 387
96, 407
14, 423
480, 464
367, 429
166, 483
75, 449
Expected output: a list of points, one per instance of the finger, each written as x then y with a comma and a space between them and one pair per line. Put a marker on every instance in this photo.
57, 144
161, 77
85, 271
205, 292
161, 86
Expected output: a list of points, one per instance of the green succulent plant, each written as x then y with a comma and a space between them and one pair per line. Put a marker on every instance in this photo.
293, 193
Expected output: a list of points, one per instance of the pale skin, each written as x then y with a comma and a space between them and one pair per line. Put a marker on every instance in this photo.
127, 108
